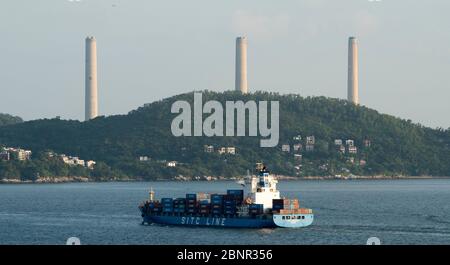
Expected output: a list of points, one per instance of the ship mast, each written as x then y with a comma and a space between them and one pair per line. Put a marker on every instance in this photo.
151, 194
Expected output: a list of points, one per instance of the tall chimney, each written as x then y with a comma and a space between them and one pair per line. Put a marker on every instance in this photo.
241, 65
352, 85
91, 100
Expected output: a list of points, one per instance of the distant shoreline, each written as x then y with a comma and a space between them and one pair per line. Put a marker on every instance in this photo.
61, 180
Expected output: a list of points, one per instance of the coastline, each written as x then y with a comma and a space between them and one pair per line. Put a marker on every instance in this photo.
61, 180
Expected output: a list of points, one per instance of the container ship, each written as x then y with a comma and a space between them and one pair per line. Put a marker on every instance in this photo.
261, 208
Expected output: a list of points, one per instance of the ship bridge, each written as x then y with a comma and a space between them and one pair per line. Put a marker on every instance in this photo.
264, 189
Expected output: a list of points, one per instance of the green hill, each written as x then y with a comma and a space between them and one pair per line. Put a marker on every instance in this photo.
396, 146
6, 119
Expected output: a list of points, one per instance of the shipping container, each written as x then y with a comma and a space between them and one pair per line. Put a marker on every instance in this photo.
237, 195
305, 211
203, 196
296, 211
290, 201
278, 202
193, 202
191, 196
216, 195
163, 200
256, 208
235, 192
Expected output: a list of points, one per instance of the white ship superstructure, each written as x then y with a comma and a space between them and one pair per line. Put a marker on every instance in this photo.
264, 189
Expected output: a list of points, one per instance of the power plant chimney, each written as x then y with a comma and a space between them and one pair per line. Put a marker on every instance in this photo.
91, 100
241, 65
352, 85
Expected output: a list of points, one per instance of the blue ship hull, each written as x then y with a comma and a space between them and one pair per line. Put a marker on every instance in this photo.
232, 222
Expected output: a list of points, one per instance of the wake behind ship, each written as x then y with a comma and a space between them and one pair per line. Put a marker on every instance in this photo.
262, 208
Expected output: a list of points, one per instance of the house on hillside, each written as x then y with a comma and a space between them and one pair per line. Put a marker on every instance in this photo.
311, 140
350, 142
208, 149
171, 164
285, 148
352, 150
309, 147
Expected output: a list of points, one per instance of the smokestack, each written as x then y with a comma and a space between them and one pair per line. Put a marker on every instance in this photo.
91, 104
241, 65
352, 85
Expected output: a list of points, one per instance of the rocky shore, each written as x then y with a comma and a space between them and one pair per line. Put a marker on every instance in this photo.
45, 180
48, 180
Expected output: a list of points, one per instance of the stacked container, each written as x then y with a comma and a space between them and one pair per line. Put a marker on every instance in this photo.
203, 197
157, 208
216, 204
229, 205
297, 211
277, 205
179, 205
238, 196
167, 205
191, 203
255, 209
204, 207
290, 204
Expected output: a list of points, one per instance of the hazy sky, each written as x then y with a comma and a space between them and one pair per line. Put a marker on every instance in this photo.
148, 50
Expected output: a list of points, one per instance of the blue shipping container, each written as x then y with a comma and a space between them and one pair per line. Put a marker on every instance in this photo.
191, 196
235, 192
